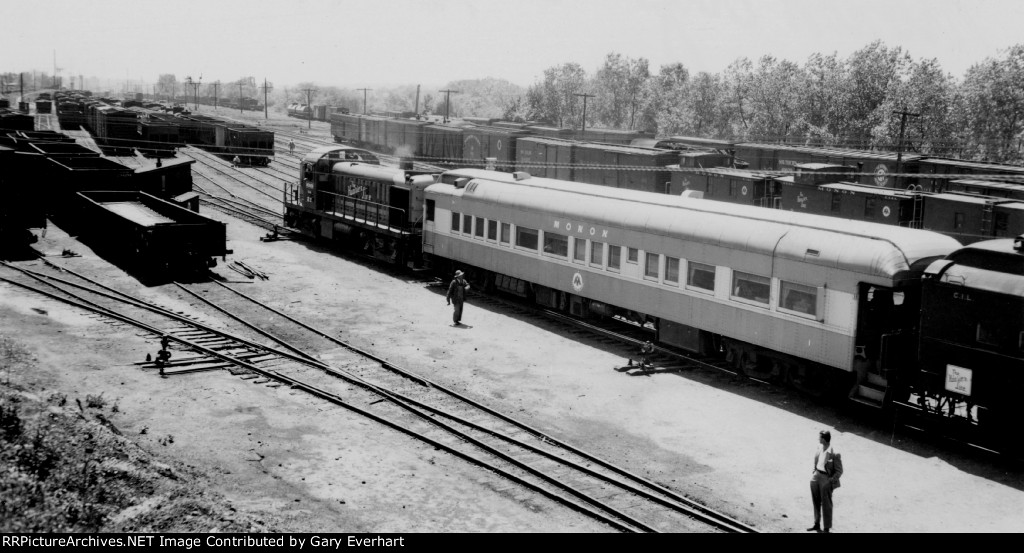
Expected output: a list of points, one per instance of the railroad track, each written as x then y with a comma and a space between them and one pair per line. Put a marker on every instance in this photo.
515, 454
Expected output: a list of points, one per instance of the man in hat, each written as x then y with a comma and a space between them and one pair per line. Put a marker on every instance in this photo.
457, 293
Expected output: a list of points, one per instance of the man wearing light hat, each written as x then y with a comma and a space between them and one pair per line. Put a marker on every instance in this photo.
457, 293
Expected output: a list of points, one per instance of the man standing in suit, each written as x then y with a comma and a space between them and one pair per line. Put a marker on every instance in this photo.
828, 467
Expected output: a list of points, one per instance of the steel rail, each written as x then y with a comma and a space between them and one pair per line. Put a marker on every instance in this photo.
618, 516
333, 398
718, 518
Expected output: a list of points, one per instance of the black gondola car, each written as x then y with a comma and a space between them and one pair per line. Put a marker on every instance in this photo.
154, 236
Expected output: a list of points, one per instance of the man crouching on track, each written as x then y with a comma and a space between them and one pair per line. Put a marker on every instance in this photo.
457, 293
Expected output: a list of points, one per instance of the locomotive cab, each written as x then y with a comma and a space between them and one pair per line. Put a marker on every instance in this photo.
345, 196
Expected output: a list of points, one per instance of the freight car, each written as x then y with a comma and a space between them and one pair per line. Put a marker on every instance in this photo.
468, 142
22, 207
974, 210
937, 173
66, 168
253, 145
817, 301
13, 121
154, 237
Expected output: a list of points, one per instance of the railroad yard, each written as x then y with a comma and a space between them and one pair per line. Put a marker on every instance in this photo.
284, 459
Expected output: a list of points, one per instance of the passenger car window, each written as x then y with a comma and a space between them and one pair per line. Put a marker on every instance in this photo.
652, 265
614, 257
597, 253
751, 287
556, 244
456, 218
799, 298
671, 270
579, 250
526, 238
700, 275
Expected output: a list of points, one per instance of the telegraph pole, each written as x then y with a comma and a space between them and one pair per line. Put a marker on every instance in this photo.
899, 147
240, 96
364, 98
195, 90
585, 96
447, 103
309, 103
417, 111
266, 88
215, 86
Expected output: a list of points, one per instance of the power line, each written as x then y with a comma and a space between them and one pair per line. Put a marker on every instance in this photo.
585, 96
266, 88
365, 90
447, 98
309, 104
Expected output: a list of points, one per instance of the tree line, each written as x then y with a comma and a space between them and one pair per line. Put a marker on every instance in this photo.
856, 102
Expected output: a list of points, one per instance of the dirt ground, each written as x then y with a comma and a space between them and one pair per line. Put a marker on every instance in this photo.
298, 465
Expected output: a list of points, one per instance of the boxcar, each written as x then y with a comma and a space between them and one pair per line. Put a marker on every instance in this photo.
624, 166
875, 168
481, 143
1009, 190
861, 202
609, 136
724, 184
546, 157
971, 218
937, 172
442, 143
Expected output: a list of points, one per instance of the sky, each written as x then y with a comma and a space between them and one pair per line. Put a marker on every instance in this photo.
354, 44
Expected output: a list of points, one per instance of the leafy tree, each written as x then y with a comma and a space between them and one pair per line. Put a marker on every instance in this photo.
823, 113
704, 97
993, 100
620, 90
737, 101
929, 93
666, 109
775, 99
167, 85
557, 94
874, 73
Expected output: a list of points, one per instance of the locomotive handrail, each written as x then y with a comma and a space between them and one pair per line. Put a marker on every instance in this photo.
379, 214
